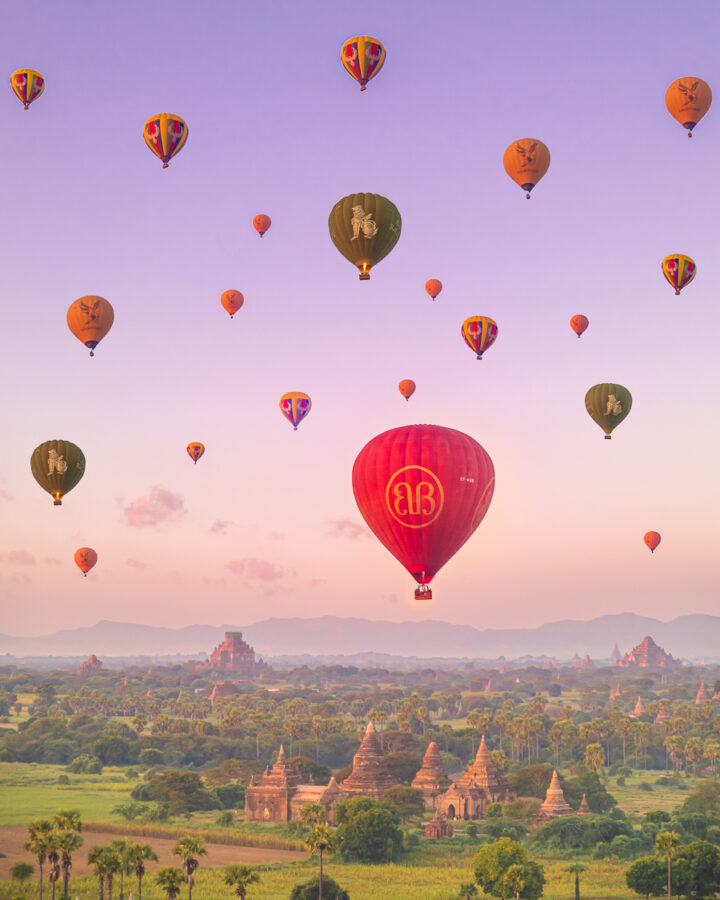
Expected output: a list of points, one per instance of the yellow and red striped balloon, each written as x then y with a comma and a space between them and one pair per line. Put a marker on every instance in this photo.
195, 450
479, 333
295, 406
27, 85
363, 57
165, 134
679, 270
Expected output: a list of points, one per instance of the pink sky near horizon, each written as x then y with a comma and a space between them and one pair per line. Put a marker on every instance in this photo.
266, 524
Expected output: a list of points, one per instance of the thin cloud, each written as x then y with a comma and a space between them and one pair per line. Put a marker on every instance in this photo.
159, 506
6, 496
255, 569
135, 564
220, 526
18, 558
51, 561
347, 528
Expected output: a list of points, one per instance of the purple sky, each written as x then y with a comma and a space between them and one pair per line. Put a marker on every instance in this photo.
266, 524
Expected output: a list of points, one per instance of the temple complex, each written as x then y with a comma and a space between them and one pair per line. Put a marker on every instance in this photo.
432, 778
554, 804
370, 776
647, 654
234, 653
91, 666
481, 785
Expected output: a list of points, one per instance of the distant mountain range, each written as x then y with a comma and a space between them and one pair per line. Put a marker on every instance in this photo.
691, 637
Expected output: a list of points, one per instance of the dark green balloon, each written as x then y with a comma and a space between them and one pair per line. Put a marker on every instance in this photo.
608, 405
364, 228
57, 466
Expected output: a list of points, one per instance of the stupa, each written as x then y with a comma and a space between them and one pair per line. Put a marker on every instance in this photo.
616, 692
554, 804
584, 809
370, 775
481, 785
702, 694
639, 709
432, 778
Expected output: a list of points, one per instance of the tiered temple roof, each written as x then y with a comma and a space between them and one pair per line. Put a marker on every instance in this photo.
587, 663
481, 785
91, 665
268, 798
370, 775
432, 778
483, 773
234, 653
647, 654
554, 804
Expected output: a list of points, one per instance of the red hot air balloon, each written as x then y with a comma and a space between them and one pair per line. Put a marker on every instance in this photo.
85, 559
652, 540
579, 324
433, 287
423, 490
261, 223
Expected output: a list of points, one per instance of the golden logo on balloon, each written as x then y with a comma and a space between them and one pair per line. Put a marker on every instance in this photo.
415, 497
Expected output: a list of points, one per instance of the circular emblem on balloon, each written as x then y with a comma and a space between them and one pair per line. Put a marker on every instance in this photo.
414, 496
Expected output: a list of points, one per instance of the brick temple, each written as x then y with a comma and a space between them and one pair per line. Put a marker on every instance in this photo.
235, 654
432, 778
481, 785
647, 655
91, 666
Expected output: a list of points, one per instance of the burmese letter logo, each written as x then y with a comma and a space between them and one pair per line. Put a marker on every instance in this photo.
414, 495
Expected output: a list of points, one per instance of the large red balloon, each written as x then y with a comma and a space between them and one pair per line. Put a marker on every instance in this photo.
423, 490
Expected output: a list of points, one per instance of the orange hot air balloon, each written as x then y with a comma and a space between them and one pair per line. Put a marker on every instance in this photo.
652, 540
526, 161
261, 224
687, 100
195, 450
433, 287
579, 324
85, 559
407, 388
232, 301
90, 318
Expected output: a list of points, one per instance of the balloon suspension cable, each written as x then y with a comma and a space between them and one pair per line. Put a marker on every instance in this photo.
84, 574
294, 427
579, 336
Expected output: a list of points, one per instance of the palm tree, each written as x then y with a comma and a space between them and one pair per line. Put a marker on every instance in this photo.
137, 855
38, 842
313, 814
97, 859
594, 757
575, 869
239, 877
188, 849
67, 842
120, 846
667, 844
514, 879
53, 857
170, 880
113, 866
320, 839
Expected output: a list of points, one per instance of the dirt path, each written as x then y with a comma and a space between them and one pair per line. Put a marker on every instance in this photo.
13, 837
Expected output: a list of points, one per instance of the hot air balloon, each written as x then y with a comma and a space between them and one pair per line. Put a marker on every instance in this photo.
27, 85
232, 301
90, 318
687, 100
652, 540
579, 324
679, 270
295, 406
363, 57
57, 466
195, 450
85, 559
407, 388
165, 134
423, 490
479, 333
364, 228
608, 405
261, 223
526, 161
433, 287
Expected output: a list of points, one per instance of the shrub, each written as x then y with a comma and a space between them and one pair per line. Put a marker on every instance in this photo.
63, 779
150, 757
225, 819
21, 871
309, 890
86, 763
621, 781
645, 786
368, 830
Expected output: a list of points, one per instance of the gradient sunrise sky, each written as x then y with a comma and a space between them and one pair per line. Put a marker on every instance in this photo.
266, 524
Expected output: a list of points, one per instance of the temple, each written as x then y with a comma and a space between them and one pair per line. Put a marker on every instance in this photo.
554, 804
481, 785
432, 779
639, 709
91, 666
702, 694
647, 654
370, 776
234, 653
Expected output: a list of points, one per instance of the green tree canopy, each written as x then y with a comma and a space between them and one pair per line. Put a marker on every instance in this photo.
647, 876
494, 860
368, 829
308, 890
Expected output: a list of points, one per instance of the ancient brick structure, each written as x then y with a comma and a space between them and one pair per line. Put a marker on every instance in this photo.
616, 655
91, 665
616, 692
647, 654
639, 709
432, 778
234, 654
702, 694
370, 776
438, 827
554, 804
584, 809
222, 689
481, 785
586, 662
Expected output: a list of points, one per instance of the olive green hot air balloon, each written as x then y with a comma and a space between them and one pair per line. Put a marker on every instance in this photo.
57, 467
608, 404
364, 228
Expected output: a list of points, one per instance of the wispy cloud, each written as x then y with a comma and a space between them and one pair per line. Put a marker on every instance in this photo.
51, 561
347, 528
18, 558
254, 569
5, 496
161, 505
135, 564
220, 526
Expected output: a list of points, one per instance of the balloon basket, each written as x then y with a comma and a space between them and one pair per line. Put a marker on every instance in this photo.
423, 592
57, 501
608, 437
364, 276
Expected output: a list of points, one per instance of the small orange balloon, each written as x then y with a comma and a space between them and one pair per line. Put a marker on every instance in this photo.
232, 301
433, 287
652, 540
85, 559
579, 324
261, 224
407, 388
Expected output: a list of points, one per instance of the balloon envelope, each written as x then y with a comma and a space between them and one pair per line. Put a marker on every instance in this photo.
687, 100
85, 559
261, 223
433, 287
195, 450
90, 318
608, 405
579, 324
652, 540
526, 161
57, 466
364, 228
295, 406
479, 333
423, 490
165, 134
27, 85
407, 388
679, 270
363, 57
232, 301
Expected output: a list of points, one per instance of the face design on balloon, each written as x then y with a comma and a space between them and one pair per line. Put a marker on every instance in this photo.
527, 153
56, 463
614, 406
414, 496
689, 95
90, 312
362, 221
